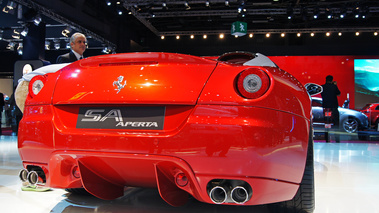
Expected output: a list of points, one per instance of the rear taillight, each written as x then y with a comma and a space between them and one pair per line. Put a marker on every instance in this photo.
253, 83
36, 85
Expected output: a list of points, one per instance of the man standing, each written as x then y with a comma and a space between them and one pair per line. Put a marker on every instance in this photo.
78, 43
330, 101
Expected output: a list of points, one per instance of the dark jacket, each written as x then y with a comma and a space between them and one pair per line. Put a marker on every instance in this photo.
66, 58
329, 95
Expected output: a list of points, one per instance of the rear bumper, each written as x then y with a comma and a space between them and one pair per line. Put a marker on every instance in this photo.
263, 147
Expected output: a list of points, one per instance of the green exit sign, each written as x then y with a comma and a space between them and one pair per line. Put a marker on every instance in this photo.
239, 28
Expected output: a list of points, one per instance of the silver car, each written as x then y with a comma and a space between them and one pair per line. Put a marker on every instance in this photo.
350, 120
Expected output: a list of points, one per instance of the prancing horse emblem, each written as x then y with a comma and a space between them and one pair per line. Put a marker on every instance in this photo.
119, 84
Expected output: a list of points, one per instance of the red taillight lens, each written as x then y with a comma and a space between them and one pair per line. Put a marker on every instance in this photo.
36, 85
253, 83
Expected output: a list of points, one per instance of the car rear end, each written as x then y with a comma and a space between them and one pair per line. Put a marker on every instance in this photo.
183, 124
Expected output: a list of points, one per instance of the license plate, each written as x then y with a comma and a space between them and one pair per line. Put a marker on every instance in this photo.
139, 118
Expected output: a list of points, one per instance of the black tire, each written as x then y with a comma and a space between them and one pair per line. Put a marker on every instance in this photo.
304, 199
350, 125
78, 191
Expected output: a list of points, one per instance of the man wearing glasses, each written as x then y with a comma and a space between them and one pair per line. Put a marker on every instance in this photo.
78, 44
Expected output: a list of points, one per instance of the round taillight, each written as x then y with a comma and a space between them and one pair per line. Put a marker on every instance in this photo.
36, 85
253, 83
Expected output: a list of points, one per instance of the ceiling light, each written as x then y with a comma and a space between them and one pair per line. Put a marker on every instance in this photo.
267, 35
207, 3
20, 49
109, 3
162, 37
375, 33
204, 36
298, 34
9, 8
192, 36
312, 34
251, 35
221, 36
339, 34
282, 35
37, 20
177, 37
47, 45
24, 32
357, 33
227, 3
327, 34
16, 34
186, 5
107, 50
11, 46
66, 31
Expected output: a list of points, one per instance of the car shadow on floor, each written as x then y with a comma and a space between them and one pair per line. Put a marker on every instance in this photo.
141, 200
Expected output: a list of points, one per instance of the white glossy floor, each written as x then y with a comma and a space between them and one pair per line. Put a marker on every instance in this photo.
346, 174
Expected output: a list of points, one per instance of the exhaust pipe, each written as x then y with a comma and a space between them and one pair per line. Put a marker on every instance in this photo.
239, 195
33, 178
23, 175
218, 194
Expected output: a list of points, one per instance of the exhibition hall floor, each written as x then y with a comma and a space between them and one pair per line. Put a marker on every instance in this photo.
346, 175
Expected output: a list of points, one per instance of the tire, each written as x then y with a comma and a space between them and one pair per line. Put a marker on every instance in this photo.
304, 199
350, 125
78, 191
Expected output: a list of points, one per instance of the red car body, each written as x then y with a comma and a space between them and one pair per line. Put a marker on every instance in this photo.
372, 112
205, 138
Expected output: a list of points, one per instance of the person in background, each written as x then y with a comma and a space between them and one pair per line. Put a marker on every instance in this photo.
1, 110
78, 43
330, 101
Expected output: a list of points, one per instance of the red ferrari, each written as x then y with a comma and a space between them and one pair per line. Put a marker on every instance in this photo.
232, 130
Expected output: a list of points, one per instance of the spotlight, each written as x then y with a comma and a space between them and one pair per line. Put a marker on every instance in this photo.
109, 3
268, 35
283, 35
251, 35
9, 8
162, 37
177, 37
298, 34
339, 34
47, 45
192, 36
375, 33
37, 20
207, 3
16, 34
107, 50
25, 31
327, 34
187, 5
205, 36
227, 3
357, 33
66, 31
221, 36
57, 44
1, 34
312, 34
20, 49
11, 46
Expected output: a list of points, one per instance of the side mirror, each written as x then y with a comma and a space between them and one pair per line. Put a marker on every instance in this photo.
313, 89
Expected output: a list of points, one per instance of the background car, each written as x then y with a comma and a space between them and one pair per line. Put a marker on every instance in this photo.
350, 120
235, 130
372, 112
